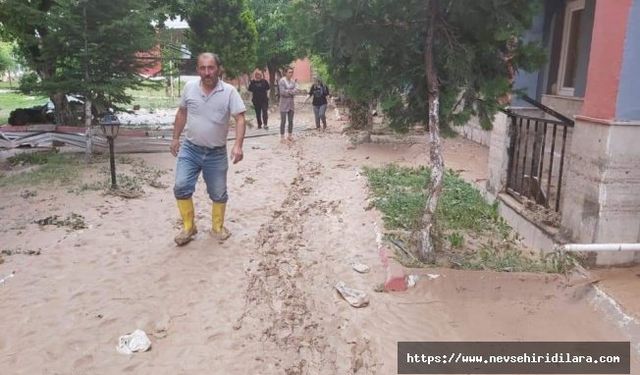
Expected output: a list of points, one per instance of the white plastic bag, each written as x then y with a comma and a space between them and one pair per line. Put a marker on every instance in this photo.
134, 342
356, 298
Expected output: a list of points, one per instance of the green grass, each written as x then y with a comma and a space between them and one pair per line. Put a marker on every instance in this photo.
462, 207
153, 104
399, 195
512, 260
13, 100
5, 85
48, 167
31, 158
456, 240
149, 98
462, 213
156, 97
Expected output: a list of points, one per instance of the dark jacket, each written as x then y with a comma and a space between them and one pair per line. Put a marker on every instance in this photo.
259, 90
319, 94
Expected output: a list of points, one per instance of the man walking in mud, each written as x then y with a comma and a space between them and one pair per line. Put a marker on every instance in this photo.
205, 108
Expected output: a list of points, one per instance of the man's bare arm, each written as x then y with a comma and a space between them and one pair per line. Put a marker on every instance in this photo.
236, 152
178, 126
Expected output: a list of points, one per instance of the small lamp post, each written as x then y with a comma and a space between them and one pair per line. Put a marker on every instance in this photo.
110, 126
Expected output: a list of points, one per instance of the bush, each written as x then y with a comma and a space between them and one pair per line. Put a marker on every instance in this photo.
28, 82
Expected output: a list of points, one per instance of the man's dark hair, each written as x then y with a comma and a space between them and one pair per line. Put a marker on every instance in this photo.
214, 56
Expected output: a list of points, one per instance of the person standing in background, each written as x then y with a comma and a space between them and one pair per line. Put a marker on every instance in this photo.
259, 88
319, 93
287, 87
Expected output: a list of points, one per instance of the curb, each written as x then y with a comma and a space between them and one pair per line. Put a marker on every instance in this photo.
395, 277
395, 280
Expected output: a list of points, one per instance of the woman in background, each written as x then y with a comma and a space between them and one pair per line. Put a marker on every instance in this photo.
287, 87
319, 93
259, 88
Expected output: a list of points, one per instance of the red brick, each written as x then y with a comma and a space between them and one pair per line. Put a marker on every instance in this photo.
396, 280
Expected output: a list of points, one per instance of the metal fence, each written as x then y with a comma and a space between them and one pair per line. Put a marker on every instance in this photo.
537, 156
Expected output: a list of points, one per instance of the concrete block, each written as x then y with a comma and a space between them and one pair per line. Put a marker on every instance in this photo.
396, 280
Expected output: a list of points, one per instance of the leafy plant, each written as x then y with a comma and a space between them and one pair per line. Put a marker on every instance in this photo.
456, 240
462, 214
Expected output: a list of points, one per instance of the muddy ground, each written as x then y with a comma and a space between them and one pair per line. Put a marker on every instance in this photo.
263, 302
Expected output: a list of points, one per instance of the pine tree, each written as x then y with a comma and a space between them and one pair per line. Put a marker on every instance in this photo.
435, 62
26, 23
86, 47
225, 27
276, 46
95, 45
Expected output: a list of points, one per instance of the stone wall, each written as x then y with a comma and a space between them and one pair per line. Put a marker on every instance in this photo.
601, 202
474, 132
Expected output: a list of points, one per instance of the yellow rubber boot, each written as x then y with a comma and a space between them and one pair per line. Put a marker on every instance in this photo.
217, 222
185, 206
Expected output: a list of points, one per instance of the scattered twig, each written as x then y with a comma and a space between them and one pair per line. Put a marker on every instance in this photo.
405, 251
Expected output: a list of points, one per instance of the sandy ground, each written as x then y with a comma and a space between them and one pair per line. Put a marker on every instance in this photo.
263, 302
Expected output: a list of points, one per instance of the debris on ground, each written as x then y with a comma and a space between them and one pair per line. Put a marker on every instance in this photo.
28, 194
356, 298
9, 252
360, 268
125, 193
412, 280
157, 184
432, 276
12, 274
137, 341
73, 221
148, 174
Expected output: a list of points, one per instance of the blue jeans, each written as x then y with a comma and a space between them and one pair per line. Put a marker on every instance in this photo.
319, 114
213, 163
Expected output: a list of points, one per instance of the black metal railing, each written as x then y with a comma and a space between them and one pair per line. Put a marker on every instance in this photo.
537, 156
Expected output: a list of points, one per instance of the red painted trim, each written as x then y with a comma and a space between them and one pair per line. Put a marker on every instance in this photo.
600, 121
605, 60
592, 120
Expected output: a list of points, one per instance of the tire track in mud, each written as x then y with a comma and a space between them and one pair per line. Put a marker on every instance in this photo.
277, 309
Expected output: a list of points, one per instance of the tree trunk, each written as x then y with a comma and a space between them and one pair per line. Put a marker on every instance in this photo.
173, 96
271, 68
87, 97
507, 57
88, 133
426, 242
62, 114
360, 114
